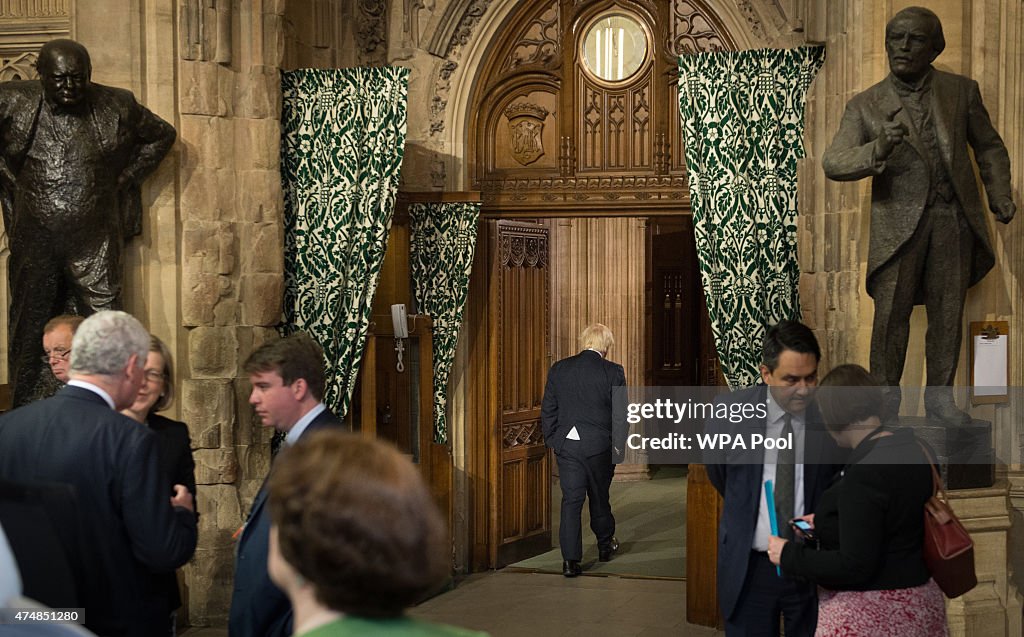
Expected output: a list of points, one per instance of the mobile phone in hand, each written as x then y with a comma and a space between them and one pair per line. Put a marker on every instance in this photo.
805, 529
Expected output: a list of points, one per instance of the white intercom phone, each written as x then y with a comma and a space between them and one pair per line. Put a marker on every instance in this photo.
399, 320
401, 324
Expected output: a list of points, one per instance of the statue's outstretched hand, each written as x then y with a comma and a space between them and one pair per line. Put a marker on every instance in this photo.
1004, 209
891, 136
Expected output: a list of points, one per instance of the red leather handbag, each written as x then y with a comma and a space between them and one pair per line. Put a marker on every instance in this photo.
948, 548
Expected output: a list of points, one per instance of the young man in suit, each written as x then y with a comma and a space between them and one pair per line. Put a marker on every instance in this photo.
129, 523
751, 594
287, 377
578, 423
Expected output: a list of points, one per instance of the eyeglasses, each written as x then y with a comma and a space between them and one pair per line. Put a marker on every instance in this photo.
57, 354
154, 375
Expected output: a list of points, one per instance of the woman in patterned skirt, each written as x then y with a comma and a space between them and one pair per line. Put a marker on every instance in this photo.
875, 581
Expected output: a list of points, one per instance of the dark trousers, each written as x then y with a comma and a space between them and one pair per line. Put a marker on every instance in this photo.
766, 598
51, 276
935, 263
584, 477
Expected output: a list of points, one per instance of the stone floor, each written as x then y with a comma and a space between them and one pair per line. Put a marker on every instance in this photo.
507, 604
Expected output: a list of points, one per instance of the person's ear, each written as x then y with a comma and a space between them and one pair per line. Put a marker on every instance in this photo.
765, 373
300, 388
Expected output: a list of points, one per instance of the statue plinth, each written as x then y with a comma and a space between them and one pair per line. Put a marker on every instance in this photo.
965, 456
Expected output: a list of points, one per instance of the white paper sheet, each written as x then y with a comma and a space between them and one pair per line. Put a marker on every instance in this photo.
990, 366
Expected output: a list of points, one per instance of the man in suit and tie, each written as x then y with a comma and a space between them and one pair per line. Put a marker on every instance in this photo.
929, 236
287, 377
588, 438
751, 594
130, 523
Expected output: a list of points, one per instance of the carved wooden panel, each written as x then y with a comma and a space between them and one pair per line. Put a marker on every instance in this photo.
520, 265
571, 125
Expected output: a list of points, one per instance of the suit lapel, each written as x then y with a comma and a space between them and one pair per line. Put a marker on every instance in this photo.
945, 106
105, 118
889, 102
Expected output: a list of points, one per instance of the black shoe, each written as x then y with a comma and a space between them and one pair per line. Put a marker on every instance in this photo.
606, 551
571, 568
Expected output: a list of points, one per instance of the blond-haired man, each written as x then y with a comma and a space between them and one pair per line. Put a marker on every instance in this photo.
588, 438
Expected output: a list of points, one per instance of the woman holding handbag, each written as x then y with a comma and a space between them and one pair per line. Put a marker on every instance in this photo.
869, 566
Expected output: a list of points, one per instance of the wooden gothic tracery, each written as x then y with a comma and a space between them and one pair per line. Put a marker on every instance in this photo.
550, 132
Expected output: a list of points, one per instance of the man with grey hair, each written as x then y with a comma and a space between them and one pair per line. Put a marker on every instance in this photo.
132, 525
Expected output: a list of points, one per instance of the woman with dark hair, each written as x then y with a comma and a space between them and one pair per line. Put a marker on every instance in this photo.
355, 538
870, 523
173, 444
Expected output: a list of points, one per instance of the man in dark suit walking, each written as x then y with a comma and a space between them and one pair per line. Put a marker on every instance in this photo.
588, 438
131, 526
751, 594
929, 236
287, 377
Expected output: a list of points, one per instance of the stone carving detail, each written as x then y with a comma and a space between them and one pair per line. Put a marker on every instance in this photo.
752, 19
439, 102
539, 43
526, 128
592, 117
692, 30
525, 249
452, 51
522, 434
372, 32
19, 66
205, 30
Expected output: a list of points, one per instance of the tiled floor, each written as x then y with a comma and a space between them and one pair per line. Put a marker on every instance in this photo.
507, 604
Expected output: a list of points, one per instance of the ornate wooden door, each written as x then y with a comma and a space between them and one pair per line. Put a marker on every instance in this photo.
521, 468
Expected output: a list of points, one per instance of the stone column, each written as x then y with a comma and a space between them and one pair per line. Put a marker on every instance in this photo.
993, 608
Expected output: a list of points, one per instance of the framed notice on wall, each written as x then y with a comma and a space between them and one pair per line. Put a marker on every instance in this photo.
990, 365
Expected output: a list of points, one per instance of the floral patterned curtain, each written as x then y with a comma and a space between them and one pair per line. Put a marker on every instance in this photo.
442, 245
743, 124
342, 143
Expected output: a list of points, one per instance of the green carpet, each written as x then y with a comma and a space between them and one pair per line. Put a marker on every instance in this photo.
650, 520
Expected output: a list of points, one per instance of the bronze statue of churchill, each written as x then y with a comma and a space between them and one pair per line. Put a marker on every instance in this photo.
72, 157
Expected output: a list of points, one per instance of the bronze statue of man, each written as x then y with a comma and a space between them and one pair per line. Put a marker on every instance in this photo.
929, 236
72, 157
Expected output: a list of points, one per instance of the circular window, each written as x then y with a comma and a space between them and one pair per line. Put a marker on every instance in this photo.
615, 47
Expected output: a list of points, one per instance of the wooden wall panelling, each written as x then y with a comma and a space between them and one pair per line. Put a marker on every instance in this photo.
523, 494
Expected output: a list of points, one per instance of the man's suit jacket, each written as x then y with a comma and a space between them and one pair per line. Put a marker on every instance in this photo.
579, 393
42, 524
737, 477
901, 183
128, 523
258, 607
133, 140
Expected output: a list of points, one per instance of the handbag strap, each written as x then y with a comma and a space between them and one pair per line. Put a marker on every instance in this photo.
936, 480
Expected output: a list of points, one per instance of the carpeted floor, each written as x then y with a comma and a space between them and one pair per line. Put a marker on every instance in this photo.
650, 520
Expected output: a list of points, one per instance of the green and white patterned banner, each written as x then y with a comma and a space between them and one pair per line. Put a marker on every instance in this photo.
743, 125
342, 143
442, 246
